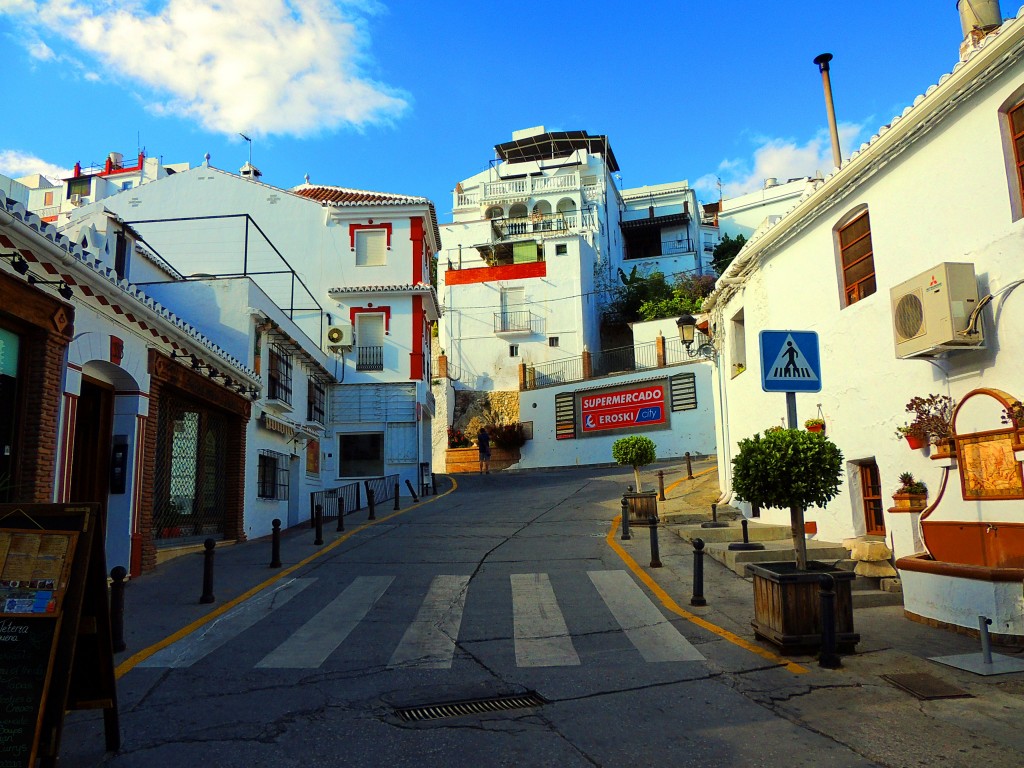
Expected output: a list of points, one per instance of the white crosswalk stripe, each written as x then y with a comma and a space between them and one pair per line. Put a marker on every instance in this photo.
541, 635
192, 648
429, 642
319, 637
645, 626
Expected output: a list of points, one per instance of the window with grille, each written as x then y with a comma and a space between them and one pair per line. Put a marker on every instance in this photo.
371, 248
315, 398
1016, 117
279, 375
513, 350
552, 341
857, 259
272, 479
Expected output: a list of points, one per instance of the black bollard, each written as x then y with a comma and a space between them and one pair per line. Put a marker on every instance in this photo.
397, 507
319, 520
341, 514
655, 553
661, 485
828, 657
698, 573
747, 545
370, 504
275, 544
412, 491
625, 519
714, 519
689, 467
433, 483
207, 596
117, 575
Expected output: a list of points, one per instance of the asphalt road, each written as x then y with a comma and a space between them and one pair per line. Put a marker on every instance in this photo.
505, 586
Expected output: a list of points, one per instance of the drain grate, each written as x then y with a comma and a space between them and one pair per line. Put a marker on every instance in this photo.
470, 707
926, 687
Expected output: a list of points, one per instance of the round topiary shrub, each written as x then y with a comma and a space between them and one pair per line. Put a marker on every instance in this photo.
635, 451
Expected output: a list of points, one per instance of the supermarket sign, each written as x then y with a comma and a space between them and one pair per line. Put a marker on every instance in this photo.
624, 408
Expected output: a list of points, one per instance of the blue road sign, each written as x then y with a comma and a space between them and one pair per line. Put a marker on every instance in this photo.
790, 361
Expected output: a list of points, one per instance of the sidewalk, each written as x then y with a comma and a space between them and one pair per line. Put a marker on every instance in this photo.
853, 705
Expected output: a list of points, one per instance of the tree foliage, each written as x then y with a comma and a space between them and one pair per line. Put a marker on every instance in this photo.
635, 451
726, 251
787, 468
688, 294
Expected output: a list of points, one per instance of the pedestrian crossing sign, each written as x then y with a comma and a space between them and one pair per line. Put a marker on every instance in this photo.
790, 361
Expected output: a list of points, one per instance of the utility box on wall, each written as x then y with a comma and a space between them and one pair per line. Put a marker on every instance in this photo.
931, 312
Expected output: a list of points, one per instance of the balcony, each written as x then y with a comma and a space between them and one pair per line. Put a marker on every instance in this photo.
518, 323
548, 223
520, 189
369, 358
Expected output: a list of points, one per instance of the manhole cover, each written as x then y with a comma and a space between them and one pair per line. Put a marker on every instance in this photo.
926, 687
469, 707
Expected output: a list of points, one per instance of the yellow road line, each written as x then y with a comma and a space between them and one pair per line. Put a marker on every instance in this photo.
132, 661
673, 606
687, 479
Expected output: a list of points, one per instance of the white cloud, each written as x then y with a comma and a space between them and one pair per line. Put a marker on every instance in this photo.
781, 159
256, 66
15, 164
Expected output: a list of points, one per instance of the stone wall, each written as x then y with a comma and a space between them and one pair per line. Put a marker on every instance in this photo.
477, 409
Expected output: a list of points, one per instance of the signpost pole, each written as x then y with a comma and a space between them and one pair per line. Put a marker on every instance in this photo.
791, 421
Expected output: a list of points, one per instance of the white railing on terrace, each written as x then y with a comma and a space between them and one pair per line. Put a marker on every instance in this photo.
466, 199
498, 190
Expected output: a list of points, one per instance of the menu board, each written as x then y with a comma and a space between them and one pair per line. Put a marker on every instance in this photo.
26, 646
34, 570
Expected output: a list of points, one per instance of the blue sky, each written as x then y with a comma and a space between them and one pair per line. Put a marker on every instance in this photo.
411, 97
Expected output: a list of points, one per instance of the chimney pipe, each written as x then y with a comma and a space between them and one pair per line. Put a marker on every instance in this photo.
822, 61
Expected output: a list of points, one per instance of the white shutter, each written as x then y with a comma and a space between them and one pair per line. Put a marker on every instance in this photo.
371, 248
400, 443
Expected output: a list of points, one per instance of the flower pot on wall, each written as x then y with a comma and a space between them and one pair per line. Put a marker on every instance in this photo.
915, 442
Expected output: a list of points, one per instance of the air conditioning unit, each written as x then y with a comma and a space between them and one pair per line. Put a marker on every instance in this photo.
75, 199
931, 312
339, 336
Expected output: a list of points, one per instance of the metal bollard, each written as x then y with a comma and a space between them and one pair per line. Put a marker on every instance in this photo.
275, 544
341, 514
986, 642
412, 491
370, 503
828, 658
689, 467
117, 574
661, 485
625, 519
318, 516
397, 507
747, 545
698, 573
433, 483
655, 554
207, 596
713, 523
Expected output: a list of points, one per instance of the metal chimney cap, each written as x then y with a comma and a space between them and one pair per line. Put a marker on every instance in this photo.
822, 60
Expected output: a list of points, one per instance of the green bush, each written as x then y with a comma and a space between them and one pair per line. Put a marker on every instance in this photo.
787, 468
635, 451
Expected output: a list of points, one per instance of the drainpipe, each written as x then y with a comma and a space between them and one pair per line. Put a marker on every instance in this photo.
822, 61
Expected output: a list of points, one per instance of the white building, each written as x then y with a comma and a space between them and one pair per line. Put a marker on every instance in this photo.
527, 263
662, 231
839, 265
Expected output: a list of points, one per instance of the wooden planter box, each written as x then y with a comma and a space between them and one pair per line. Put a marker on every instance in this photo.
787, 606
467, 460
642, 506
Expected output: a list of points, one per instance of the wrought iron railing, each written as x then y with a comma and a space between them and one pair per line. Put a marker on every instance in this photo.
554, 373
369, 358
332, 500
520, 321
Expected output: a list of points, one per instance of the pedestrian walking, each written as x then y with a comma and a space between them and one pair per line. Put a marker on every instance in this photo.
483, 445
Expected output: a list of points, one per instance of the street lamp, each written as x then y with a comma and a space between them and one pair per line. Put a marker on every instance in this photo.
687, 325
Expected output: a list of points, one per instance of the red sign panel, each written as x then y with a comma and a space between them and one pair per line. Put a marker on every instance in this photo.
623, 409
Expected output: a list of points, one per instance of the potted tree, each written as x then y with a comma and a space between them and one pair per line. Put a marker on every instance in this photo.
795, 469
637, 451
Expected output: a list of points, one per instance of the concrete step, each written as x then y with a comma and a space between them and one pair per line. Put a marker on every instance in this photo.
868, 598
774, 551
734, 532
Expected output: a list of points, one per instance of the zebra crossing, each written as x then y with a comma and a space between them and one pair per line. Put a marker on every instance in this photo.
541, 636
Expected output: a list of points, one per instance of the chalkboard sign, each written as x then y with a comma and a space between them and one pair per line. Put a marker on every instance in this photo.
26, 646
55, 649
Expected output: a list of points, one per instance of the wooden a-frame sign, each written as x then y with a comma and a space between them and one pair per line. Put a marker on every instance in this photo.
55, 645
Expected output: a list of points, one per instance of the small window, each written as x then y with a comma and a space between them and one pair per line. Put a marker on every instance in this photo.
552, 341
857, 259
738, 347
280, 375
79, 186
561, 249
513, 350
48, 198
361, 454
272, 480
315, 396
371, 248
1016, 116
121, 248
126, 185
